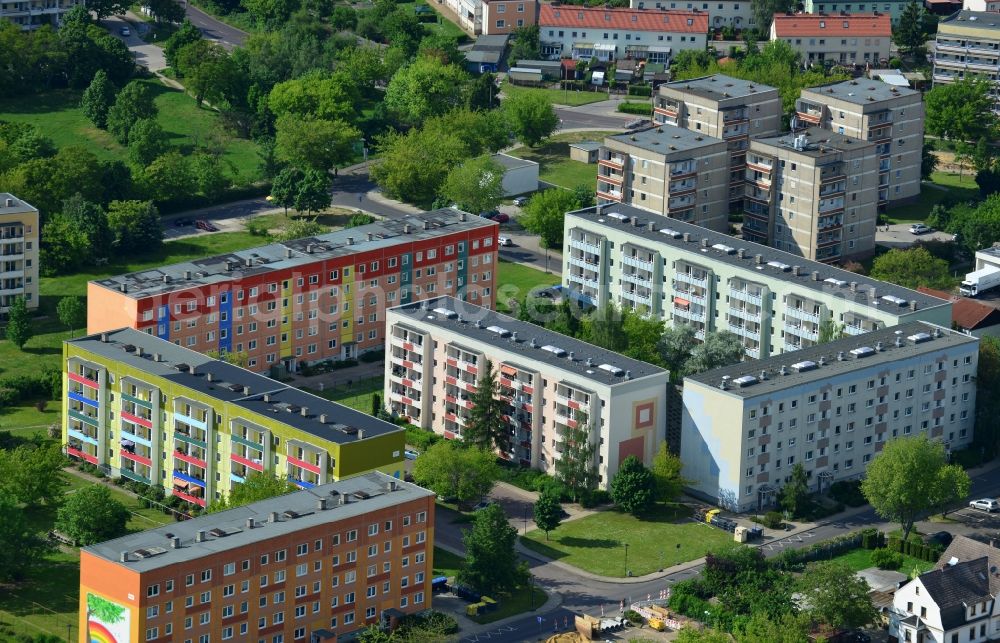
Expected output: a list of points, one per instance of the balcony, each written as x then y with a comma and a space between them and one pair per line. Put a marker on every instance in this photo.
586, 281
82, 436
613, 160
637, 298
190, 459
802, 331
850, 329
586, 247
759, 164
85, 381
744, 295
638, 280
615, 179
83, 417
743, 313
580, 262
831, 189
610, 195
682, 170
686, 313
799, 313
688, 278
743, 331
77, 452
636, 262
734, 116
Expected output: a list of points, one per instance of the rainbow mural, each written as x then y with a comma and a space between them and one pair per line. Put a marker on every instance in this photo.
107, 621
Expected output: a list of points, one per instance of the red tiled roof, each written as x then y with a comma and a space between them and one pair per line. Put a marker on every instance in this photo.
623, 19
966, 313
807, 24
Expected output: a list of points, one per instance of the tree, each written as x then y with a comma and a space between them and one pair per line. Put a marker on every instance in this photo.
987, 435
72, 312
604, 328
327, 96
908, 34
911, 476
491, 564
360, 219
547, 512
763, 13
132, 104
544, 215
483, 132
585, 195
64, 248
270, 14
258, 485
525, 44
209, 174
169, 176
719, 349
795, 492
106, 8
633, 489
475, 186
97, 99
21, 548
486, 428
146, 142
166, 10
928, 162
208, 71
453, 471
575, 467
92, 220
829, 331
424, 88
675, 350
413, 166
92, 515
313, 193
299, 229
483, 93
238, 358
835, 596
32, 475
912, 268
313, 143
961, 111
19, 326
185, 35
135, 226
531, 116
666, 471
790, 628
643, 335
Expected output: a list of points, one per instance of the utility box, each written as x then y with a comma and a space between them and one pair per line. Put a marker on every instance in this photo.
741, 534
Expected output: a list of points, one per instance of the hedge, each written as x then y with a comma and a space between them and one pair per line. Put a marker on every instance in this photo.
930, 553
640, 90
642, 109
795, 559
26, 388
421, 438
372, 356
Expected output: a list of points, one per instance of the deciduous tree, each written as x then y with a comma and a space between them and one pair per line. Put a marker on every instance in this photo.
475, 186
21, 547
962, 110
32, 475
675, 349
491, 564
547, 513
106, 8
319, 144
604, 328
313, 192
92, 515
763, 13
327, 96
531, 116
97, 99
544, 215
413, 166
19, 326
146, 142
424, 88
135, 226
132, 104
912, 268
836, 596
169, 176
987, 435
453, 471
486, 428
72, 312
185, 35
258, 485
64, 248
666, 471
795, 491
575, 467
633, 489
719, 349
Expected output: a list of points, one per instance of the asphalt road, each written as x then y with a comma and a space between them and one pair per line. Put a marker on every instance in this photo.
574, 118
228, 37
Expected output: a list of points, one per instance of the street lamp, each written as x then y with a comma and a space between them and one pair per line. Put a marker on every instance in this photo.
626, 559
525, 516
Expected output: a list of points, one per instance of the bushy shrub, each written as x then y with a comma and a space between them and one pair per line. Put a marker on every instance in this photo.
640, 90
421, 439
372, 357
594, 497
771, 520
629, 107
633, 617
345, 363
848, 492
886, 559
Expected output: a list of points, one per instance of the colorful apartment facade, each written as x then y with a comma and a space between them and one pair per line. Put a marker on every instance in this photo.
313, 565
19, 231
148, 410
308, 300
548, 382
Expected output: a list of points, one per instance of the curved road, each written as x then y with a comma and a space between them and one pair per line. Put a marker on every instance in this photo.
214, 29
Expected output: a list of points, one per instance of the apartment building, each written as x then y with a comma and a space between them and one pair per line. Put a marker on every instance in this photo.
668, 170
722, 107
548, 382
146, 409
19, 246
812, 193
686, 274
506, 16
891, 117
968, 44
846, 39
830, 408
982, 5
314, 565
307, 300
32, 14
892, 8
731, 13
608, 34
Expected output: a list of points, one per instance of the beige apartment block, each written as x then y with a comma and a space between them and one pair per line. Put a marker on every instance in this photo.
18, 252
968, 44
831, 408
668, 170
890, 117
812, 193
689, 275
548, 382
722, 107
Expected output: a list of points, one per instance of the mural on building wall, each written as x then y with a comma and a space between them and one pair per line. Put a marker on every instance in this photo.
107, 622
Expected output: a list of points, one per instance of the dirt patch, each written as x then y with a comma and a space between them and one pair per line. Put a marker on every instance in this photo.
948, 164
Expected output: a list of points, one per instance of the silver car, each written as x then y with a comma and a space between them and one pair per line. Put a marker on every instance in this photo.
985, 504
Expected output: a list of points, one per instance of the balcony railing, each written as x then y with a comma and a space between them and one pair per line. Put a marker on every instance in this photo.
799, 313
688, 278
636, 262
747, 296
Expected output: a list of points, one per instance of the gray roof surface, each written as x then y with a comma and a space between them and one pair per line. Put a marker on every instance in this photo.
17, 207
483, 56
474, 322
830, 355
747, 265
820, 143
661, 137
497, 42
512, 162
589, 146
859, 90
964, 548
717, 86
973, 19
954, 587
233, 522
284, 405
289, 254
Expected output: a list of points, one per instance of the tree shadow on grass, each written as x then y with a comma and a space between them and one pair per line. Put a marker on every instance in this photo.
588, 543
52, 585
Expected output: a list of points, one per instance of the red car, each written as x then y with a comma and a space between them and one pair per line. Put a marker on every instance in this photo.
207, 226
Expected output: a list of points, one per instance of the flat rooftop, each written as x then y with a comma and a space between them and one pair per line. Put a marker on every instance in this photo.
819, 363
818, 143
229, 383
973, 20
512, 162
665, 139
290, 254
720, 87
524, 338
272, 518
588, 146
861, 91
832, 281
10, 204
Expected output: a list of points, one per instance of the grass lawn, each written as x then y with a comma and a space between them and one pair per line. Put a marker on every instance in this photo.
58, 115
26, 420
597, 543
443, 26
570, 97
961, 188
858, 559
332, 218
519, 602
515, 280
446, 563
555, 166
358, 395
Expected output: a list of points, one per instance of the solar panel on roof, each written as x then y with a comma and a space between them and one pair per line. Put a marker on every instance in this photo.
804, 366
862, 351
611, 368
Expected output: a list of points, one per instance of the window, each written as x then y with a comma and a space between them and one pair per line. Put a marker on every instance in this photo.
153, 590
229, 569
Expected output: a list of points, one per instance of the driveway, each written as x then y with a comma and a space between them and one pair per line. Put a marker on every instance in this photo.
899, 236
149, 56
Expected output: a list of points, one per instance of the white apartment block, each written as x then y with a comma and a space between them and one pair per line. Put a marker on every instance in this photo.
731, 13
851, 39
32, 14
723, 107
831, 408
686, 274
436, 355
893, 8
19, 236
668, 170
812, 193
968, 44
981, 5
890, 117
605, 33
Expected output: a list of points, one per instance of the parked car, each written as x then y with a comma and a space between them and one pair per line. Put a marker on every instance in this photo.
125, 31
410, 454
505, 242
637, 123
207, 226
920, 228
482, 505
942, 538
495, 215
521, 201
180, 223
985, 504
